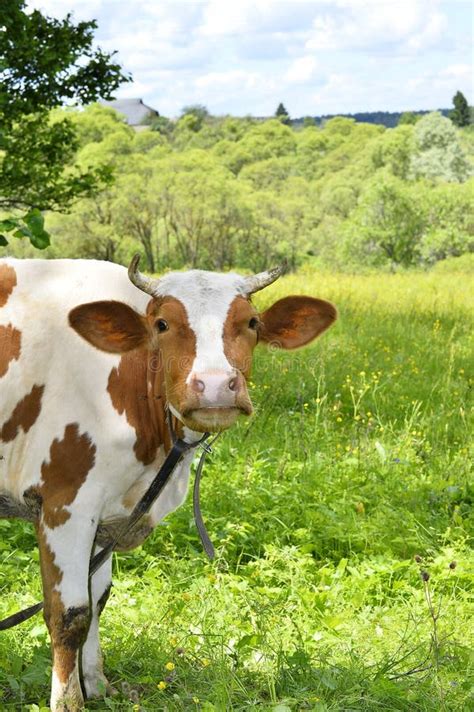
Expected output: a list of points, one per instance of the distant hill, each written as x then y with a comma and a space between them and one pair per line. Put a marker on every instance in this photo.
389, 119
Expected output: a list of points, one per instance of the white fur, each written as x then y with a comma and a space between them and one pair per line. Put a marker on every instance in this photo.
206, 297
92, 669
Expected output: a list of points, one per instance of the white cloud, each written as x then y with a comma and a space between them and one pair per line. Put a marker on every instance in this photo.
458, 71
80, 9
375, 25
231, 80
220, 18
255, 16
301, 70
317, 56
429, 34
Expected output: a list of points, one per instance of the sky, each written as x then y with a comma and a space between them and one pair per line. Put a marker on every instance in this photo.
316, 56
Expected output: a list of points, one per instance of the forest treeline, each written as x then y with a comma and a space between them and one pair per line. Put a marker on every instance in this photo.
228, 192
389, 119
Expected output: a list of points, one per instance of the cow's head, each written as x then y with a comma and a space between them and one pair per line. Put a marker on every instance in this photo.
203, 328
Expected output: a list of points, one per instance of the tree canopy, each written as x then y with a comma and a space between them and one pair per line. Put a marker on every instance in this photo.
245, 193
282, 114
45, 62
461, 114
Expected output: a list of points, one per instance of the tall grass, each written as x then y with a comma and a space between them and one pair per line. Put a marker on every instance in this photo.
341, 514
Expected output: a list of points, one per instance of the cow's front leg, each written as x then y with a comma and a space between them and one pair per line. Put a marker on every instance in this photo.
65, 550
95, 682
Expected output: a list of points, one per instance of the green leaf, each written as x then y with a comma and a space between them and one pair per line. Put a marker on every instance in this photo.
38, 237
40, 240
22, 232
8, 225
248, 641
3, 241
35, 220
33, 229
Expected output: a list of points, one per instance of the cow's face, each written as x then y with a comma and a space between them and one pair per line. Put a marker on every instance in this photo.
203, 329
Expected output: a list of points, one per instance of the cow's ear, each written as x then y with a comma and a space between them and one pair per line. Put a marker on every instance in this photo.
295, 321
110, 326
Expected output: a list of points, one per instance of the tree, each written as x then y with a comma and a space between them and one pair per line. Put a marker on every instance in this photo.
408, 117
449, 228
438, 152
263, 140
387, 224
312, 144
460, 115
394, 149
43, 63
199, 112
282, 114
201, 208
162, 125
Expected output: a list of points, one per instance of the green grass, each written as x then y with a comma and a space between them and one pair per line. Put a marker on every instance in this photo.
357, 460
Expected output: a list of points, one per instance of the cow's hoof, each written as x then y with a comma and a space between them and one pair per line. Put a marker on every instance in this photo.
99, 687
67, 699
68, 705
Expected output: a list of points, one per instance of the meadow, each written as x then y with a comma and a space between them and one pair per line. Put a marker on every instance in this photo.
341, 516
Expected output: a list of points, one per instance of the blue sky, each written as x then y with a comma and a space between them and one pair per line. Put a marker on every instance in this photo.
317, 56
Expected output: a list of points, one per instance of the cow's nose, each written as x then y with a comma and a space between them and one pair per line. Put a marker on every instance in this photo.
216, 388
198, 385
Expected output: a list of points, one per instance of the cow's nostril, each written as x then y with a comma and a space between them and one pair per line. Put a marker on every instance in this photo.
199, 386
233, 384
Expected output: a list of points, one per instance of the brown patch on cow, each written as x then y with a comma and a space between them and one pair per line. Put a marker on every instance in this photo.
10, 347
71, 459
138, 394
50, 573
7, 283
68, 629
239, 339
51, 576
24, 416
142, 382
176, 348
296, 320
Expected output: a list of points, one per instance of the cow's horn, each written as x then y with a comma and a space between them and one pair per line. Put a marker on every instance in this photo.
140, 280
263, 279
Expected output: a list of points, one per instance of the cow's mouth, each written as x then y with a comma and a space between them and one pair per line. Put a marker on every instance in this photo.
214, 418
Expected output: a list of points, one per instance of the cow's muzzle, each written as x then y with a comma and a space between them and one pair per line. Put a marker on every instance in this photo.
215, 400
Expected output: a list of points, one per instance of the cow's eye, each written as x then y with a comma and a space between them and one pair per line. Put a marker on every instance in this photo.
253, 323
161, 325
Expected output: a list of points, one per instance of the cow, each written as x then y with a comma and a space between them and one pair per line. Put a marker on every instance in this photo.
91, 358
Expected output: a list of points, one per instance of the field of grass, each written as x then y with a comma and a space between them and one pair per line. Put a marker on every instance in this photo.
341, 515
